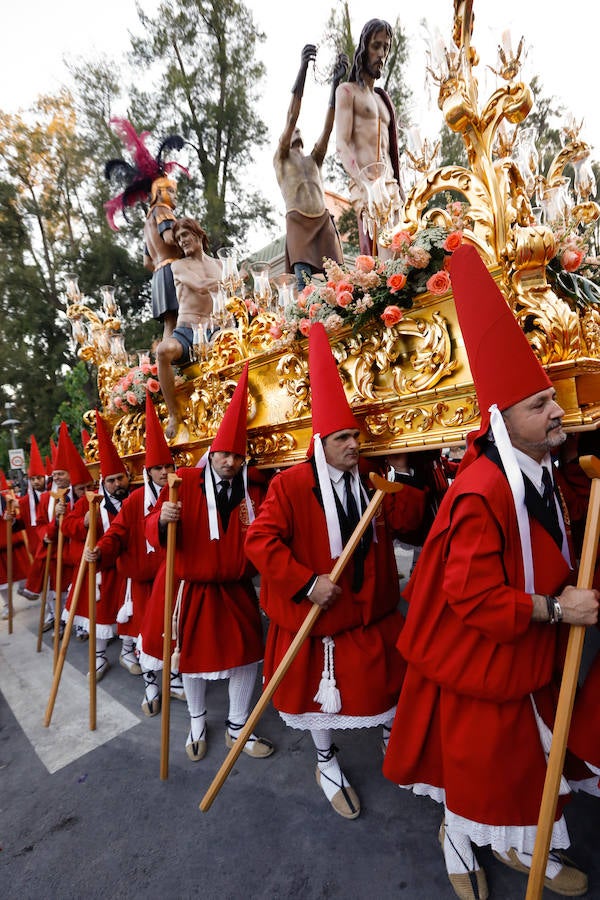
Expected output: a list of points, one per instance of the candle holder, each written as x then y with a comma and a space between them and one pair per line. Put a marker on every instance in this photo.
263, 294
231, 279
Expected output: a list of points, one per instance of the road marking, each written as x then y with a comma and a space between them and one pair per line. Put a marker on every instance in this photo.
26, 680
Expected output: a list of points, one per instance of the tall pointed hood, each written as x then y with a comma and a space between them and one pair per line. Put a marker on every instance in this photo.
110, 461
158, 452
330, 408
68, 459
36, 466
504, 367
232, 434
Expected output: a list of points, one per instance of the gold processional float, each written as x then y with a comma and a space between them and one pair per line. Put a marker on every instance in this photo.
409, 382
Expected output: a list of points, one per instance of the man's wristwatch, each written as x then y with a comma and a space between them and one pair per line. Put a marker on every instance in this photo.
555, 613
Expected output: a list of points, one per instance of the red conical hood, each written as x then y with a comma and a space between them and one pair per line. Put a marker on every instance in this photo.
157, 449
77, 469
3, 482
53, 452
36, 466
231, 436
504, 367
110, 461
85, 437
60, 459
68, 458
330, 408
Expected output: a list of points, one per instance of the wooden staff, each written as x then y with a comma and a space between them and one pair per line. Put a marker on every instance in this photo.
66, 636
44, 595
383, 487
9, 562
94, 500
174, 483
566, 697
60, 494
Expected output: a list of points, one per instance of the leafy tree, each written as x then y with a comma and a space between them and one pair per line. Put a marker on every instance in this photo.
204, 55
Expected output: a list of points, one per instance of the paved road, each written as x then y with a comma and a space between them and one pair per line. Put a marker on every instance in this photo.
84, 815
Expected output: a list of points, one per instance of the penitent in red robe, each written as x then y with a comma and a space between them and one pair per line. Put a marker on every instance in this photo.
465, 721
219, 625
20, 556
47, 527
125, 548
289, 544
112, 586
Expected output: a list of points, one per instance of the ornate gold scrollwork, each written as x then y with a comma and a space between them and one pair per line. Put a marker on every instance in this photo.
271, 445
292, 369
383, 350
423, 418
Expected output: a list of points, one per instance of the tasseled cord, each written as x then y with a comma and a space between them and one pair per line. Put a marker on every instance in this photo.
328, 695
175, 656
126, 610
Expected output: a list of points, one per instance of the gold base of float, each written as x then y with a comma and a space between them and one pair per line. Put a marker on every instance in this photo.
409, 385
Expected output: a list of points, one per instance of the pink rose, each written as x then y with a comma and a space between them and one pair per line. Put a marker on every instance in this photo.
314, 309
343, 286
304, 326
131, 398
453, 241
364, 263
118, 402
275, 332
344, 298
145, 367
391, 316
127, 379
154, 369
307, 291
439, 283
153, 385
396, 282
400, 239
571, 259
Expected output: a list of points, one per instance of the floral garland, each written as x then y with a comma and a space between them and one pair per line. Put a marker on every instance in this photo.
129, 393
373, 290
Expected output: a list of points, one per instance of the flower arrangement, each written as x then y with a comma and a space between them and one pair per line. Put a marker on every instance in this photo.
374, 290
572, 271
129, 393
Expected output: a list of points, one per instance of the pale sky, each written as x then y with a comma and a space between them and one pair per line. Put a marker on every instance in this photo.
563, 48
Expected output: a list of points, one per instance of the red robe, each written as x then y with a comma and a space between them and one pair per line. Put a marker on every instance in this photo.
219, 625
289, 544
465, 720
47, 527
33, 537
124, 546
584, 738
20, 556
112, 586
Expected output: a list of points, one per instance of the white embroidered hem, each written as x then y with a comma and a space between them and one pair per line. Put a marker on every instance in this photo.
105, 632
500, 837
313, 720
147, 662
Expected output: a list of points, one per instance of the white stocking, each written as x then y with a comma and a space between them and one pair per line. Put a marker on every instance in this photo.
195, 693
241, 687
458, 853
150, 686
